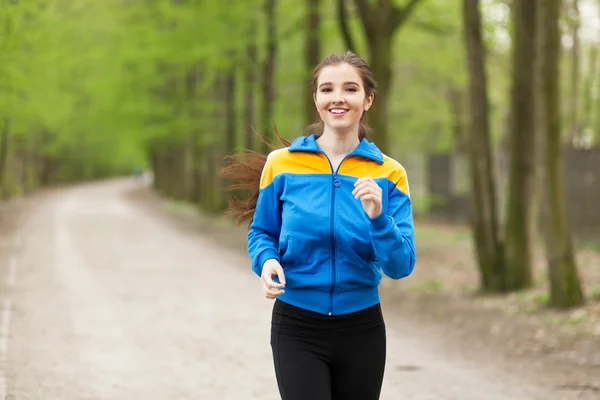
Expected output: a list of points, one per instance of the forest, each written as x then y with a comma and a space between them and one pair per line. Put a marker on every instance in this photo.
504, 88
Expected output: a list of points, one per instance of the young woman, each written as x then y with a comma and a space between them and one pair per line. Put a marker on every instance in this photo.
331, 213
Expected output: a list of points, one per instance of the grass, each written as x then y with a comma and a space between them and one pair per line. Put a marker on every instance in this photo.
180, 207
534, 298
188, 209
429, 233
591, 245
595, 294
431, 286
570, 322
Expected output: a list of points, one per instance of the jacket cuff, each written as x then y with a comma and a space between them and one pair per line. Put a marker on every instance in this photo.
264, 256
380, 223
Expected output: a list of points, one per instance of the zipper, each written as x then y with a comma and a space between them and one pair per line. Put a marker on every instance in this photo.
336, 183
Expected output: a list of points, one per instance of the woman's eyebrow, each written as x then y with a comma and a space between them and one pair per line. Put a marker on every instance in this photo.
345, 83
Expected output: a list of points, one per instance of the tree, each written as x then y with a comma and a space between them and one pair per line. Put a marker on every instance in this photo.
344, 26
312, 50
565, 288
4, 143
269, 69
380, 21
250, 79
574, 22
484, 218
518, 237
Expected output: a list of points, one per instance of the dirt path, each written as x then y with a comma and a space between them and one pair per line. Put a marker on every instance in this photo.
102, 299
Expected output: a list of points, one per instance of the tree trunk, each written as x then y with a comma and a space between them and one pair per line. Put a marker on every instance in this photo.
212, 193
269, 71
4, 143
574, 24
179, 160
378, 116
252, 60
312, 57
595, 126
31, 180
380, 21
230, 119
194, 76
539, 206
344, 27
456, 104
213, 150
590, 80
198, 177
484, 215
188, 166
518, 244
156, 159
565, 288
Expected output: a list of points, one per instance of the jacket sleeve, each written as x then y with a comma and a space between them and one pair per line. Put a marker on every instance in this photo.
392, 233
263, 237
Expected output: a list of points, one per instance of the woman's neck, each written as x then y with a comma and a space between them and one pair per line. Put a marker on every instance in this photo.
335, 144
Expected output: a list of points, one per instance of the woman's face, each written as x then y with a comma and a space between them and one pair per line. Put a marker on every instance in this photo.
340, 97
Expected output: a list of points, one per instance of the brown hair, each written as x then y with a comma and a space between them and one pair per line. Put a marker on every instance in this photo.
244, 170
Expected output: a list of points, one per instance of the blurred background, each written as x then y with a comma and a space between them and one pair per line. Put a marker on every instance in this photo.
492, 106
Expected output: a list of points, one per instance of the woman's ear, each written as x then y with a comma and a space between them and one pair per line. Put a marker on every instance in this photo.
315, 101
369, 101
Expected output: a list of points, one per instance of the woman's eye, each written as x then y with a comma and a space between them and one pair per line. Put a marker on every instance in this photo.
331, 90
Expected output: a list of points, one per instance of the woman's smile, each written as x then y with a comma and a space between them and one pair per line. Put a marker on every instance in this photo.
338, 112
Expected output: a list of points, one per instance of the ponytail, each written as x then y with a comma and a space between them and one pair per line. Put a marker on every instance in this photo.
244, 171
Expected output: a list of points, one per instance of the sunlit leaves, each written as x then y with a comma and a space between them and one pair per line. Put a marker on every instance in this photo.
113, 74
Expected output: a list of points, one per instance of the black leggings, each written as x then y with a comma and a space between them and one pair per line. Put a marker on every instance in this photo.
320, 357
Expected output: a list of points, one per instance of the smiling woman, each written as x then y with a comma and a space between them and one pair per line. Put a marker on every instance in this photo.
329, 216
343, 77
340, 98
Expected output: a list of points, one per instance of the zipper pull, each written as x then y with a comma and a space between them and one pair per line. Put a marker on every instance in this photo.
336, 182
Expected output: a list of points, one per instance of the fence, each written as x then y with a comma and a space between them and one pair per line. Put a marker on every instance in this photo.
444, 182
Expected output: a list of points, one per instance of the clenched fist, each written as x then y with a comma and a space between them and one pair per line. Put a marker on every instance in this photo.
369, 194
271, 269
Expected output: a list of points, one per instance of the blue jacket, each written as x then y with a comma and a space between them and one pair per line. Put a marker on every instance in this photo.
331, 252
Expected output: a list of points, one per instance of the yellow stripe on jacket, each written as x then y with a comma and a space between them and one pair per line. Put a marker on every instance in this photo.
282, 161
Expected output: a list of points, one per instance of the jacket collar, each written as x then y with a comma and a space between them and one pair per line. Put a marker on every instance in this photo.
365, 148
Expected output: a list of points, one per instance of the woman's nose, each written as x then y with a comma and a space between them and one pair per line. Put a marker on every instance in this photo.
338, 97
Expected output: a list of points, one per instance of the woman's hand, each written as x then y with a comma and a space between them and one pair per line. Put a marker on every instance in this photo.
369, 194
271, 269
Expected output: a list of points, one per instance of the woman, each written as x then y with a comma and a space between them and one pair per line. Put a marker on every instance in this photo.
331, 214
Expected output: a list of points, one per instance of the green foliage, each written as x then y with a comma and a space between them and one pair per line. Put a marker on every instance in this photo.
100, 80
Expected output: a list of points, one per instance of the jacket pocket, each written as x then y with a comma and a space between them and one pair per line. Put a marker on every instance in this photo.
352, 276
287, 252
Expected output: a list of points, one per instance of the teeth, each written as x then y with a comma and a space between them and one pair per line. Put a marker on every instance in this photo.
337, 111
